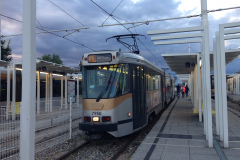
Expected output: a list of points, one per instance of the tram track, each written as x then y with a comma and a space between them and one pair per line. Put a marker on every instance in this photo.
125, 144
73, 150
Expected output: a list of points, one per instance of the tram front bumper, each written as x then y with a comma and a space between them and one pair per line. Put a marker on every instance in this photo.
90, 127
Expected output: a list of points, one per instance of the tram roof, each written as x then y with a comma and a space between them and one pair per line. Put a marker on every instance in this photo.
177, 61
132, 58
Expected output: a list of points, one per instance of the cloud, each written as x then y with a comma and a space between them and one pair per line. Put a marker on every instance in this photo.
51, 18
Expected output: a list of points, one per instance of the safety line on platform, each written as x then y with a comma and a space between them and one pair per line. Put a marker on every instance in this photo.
159, 134
218, 149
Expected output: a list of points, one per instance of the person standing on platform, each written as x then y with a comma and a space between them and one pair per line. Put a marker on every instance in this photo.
178, 90
183, 90
187, 89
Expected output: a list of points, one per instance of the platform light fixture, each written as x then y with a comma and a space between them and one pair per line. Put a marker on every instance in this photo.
43, 72
19, 69
57, 75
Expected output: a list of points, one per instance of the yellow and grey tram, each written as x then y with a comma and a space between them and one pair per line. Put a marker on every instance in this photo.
121, 92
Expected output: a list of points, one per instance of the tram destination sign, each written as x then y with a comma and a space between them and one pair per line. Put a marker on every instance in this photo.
98, 58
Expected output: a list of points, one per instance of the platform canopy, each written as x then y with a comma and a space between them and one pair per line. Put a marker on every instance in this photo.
184, 77
4, 63
50, 67
183, 63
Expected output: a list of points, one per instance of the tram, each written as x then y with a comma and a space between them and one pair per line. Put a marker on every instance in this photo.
122, 91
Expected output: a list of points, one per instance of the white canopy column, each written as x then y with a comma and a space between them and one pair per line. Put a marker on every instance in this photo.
51, 92
78, 90
28, 111
46, 94
216, 85
207, 86
61, 92
8, 91
38, 92
14, 93
66, 97
199, 93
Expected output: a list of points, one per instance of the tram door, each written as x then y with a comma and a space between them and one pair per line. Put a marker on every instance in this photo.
139, 110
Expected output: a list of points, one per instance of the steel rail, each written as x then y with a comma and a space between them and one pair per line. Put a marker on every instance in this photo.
73, 150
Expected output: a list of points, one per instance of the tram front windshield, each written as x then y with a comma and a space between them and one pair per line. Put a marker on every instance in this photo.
104, 81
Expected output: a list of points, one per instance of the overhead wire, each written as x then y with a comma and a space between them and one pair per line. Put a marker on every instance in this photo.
183, 17
119, 23
112, 12
39, 23
66, 13
126, 29
51, 33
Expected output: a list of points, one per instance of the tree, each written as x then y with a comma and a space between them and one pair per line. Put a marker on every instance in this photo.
51, 58
6, 53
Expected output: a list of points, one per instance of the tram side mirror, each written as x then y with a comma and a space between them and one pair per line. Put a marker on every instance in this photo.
80, 66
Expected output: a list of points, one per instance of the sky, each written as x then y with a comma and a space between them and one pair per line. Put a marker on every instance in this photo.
62, 14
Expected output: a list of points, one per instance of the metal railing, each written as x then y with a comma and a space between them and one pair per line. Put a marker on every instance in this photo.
52, 129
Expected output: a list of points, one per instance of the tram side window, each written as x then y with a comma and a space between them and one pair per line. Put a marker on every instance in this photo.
119, 85
157, 81
153, 80
168, 82
126, 79
121, 82
150, 83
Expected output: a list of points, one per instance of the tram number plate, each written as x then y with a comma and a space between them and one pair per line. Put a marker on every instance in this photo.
95, 113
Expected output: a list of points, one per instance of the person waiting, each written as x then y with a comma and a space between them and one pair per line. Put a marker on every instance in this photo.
183, 90
178, 90
187, 89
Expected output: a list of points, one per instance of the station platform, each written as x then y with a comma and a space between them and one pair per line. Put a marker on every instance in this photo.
179, 135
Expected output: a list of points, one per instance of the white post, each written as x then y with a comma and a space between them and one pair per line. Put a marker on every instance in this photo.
46, 94
51, 92
199, 89
215, 86
203, 91
0, 47
218, 86
192, 78
0, 72
207, 71
77, 90
224, 94
237, 83
48, 104
38, 92
70, 120
27, 121
66, 97
204, 96
8, 91
61, 92
14, 93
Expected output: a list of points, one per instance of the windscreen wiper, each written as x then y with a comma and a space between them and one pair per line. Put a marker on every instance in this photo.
105, 89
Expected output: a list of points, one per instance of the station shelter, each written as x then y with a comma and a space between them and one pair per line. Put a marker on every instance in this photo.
233, 83
47, 73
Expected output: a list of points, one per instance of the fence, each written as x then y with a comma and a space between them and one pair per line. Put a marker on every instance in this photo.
52, 129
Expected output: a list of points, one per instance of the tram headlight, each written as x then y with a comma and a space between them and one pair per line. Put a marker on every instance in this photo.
95, 119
